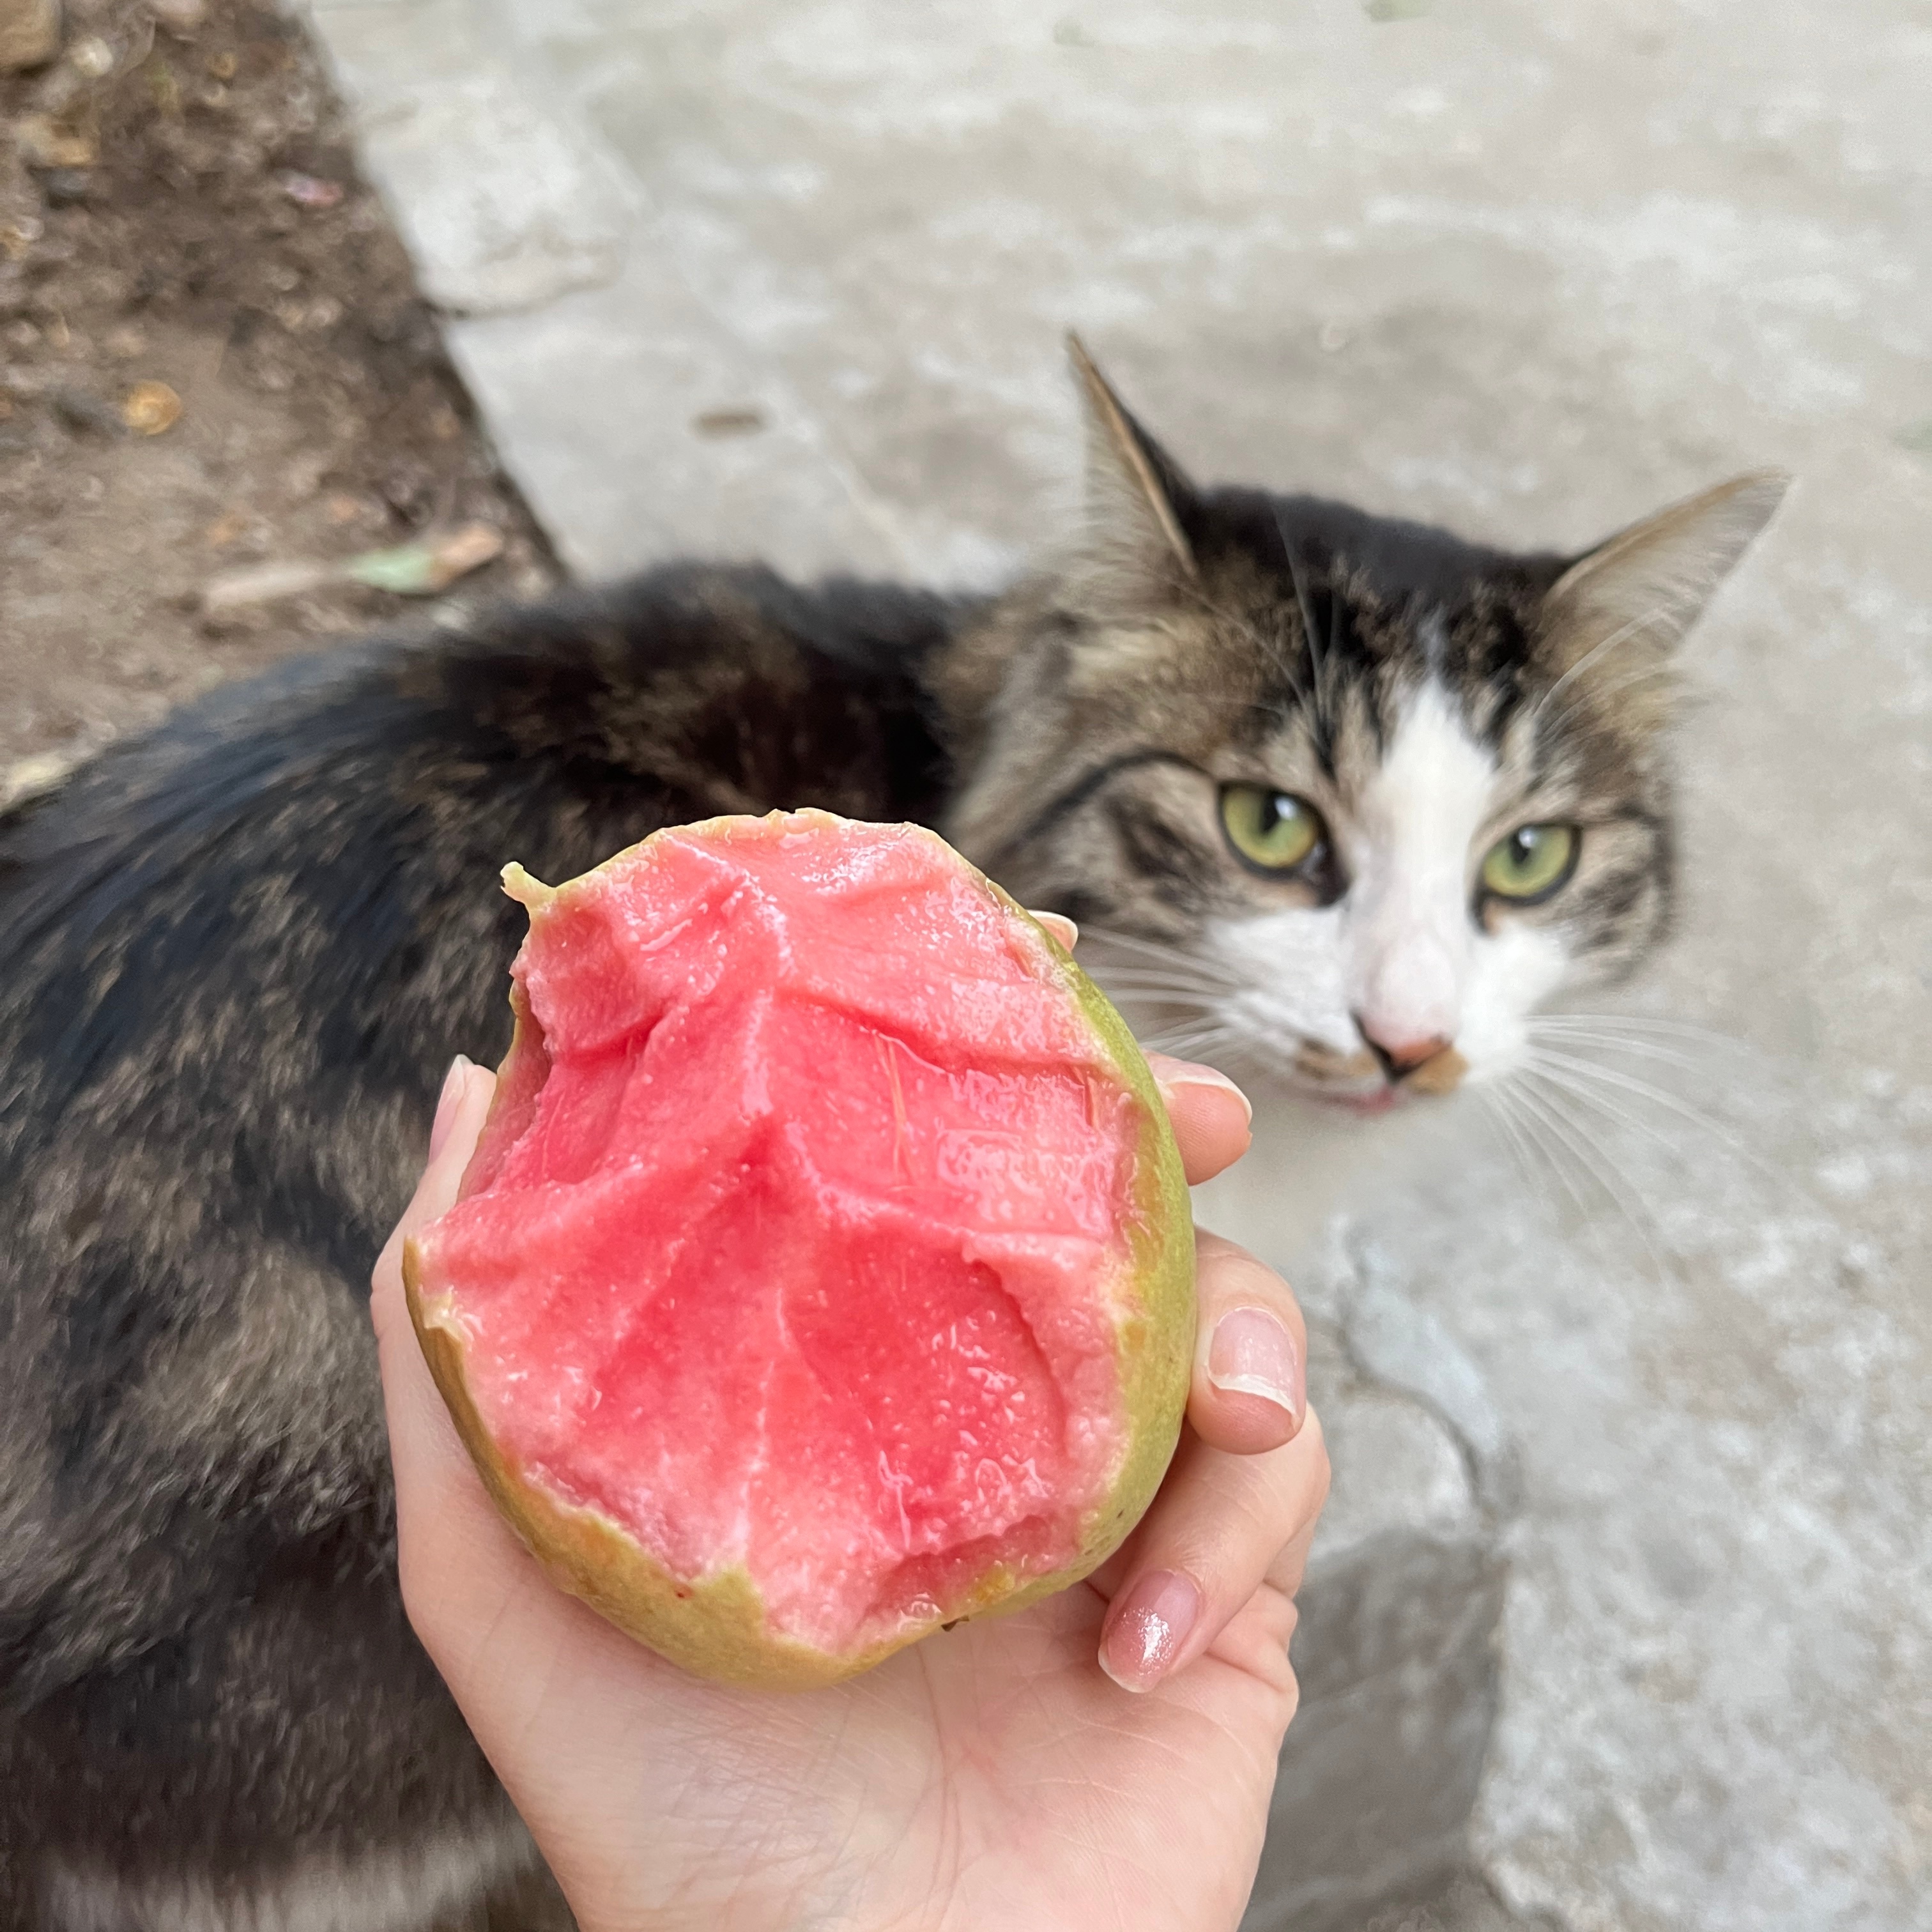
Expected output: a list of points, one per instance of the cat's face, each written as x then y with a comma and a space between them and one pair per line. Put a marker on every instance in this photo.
1343, 798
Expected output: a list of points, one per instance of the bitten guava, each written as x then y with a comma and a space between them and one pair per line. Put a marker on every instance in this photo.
824, 1272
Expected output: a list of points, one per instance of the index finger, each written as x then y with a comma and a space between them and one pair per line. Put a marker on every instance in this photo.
1211, 1115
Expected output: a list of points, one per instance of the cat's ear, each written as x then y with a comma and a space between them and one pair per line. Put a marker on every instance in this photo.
1135, 492
1648, 584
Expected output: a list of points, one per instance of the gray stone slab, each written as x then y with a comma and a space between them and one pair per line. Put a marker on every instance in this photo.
1396, 1653
1374, 1797
1528, 270
506, 199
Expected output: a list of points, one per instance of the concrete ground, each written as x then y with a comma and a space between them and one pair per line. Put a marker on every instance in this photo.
788, 280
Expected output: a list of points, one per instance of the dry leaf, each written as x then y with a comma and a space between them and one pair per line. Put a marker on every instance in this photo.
418, 569
431, 564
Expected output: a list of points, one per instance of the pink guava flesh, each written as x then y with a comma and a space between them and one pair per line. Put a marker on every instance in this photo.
800, 1241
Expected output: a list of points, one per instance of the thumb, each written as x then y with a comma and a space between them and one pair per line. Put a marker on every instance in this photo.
467, 1090
423, 1443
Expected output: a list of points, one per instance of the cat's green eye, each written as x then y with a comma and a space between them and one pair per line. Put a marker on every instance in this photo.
1531, 862
1274, 829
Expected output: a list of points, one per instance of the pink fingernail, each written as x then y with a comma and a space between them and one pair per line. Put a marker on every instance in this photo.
1189, 1075
1147, 1628
1252, 1353
454, 1082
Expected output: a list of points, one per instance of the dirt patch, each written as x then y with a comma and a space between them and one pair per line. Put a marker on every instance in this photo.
180, 216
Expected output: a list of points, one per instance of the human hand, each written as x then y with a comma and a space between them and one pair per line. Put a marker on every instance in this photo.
994, 1775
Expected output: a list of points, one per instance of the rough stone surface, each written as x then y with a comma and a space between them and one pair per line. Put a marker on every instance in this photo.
1530, 271
1397, 1655
506, 198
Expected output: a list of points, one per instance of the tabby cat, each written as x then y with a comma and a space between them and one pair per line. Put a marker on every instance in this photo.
1347, 796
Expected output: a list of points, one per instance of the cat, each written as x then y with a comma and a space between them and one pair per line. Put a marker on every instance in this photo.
1344, 796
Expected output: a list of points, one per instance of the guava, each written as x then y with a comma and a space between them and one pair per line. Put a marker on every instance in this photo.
824, 1272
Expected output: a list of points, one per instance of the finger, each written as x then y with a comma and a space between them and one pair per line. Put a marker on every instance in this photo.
467, 1090
467, 1582
1286, 1572
1222, 1526
489, 1616
1250, 1352
1256, 1640
427, 1455
1062, 928
1211, 1115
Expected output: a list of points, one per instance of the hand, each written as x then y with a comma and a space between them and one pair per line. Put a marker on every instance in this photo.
1101, 1761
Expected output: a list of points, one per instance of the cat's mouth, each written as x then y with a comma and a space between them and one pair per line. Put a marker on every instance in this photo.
1352, 1080
1247, 1036
1359, 1082
1355, 1083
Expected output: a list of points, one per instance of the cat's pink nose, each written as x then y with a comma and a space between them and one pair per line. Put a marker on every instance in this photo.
1400, 1056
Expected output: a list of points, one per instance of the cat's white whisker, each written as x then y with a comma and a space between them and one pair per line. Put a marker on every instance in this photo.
1550, 1135
1215, 1053
1561, 1081
1579, 1069
1532, 1124
1177, 1037
1104, 941
1196, 1033
1495, 1102
1551, 1172
1121, 991
1621, 1024
1584, 1039
1602, 1166
1153, 983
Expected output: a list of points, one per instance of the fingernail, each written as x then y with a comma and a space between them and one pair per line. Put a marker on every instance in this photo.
1253, 1354
1147, 1628
454, 1082
1189, 1075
